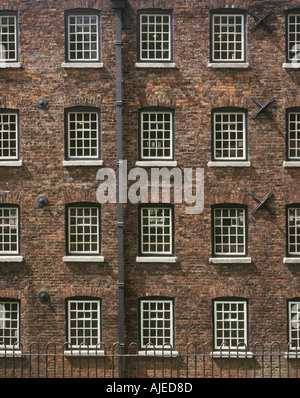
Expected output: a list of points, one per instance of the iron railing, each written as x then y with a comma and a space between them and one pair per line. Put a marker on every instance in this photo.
189, 361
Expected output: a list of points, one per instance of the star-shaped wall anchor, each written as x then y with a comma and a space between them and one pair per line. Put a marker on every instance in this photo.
261, 203
261, 21
262, 108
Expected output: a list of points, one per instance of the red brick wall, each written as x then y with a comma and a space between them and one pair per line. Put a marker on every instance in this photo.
193, 90
41, 27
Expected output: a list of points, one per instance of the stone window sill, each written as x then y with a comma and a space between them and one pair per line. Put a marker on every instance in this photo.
291, 260
10, 353
83, 259
153, 259
83, 353
291, 65
229, 164
291, 163
162, 65
156, 163
292, 355
72, 163
82, 65
222, 65
11, 259
11, 163
231, 354
158, 353
230, 260
16, 65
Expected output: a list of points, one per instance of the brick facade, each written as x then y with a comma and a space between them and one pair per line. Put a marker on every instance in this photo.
193, 90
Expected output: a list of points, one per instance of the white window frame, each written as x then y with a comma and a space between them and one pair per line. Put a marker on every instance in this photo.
10, 328
77, 33
81, 226
145, 29
86, 62
293, 220
295, 133
226, 26
82, 133
9, 222
157, 330
222, 233
228, 135
293, 46
11, 39
156, 134
78, 317
228, 326
153, 226
294, 325
6, 135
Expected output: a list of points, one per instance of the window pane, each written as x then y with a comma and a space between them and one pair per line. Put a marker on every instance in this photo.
9, 230
294, 135
151, 39
9, 324
83, 135
294, 325
157, 135
228, 332
156, 234
84, 330
227, 238
157, 331
8, 38
8, 136
83, 35
293, 37
293, 224
84, 227
228, 38
229, 132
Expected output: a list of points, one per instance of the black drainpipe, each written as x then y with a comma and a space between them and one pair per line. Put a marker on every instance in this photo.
119, 7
